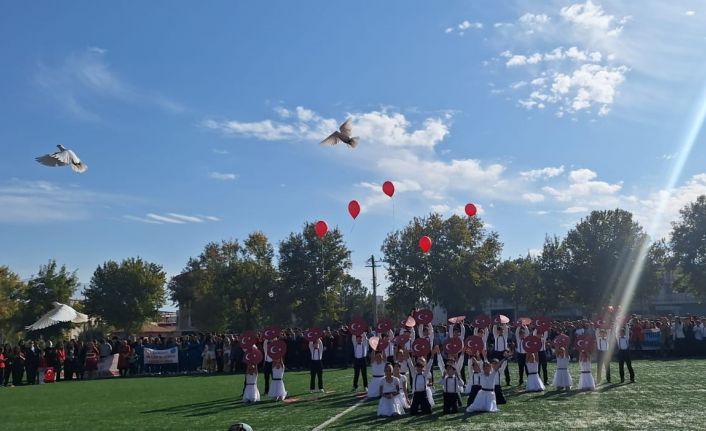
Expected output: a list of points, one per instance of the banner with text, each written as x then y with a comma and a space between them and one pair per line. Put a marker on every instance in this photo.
156, 357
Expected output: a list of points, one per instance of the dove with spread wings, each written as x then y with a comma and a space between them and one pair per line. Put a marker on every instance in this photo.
344, 134
63, 157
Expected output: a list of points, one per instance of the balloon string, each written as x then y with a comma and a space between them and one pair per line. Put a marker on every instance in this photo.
393, 214
352, 227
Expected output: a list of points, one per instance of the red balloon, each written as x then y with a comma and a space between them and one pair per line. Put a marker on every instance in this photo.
425, 244
354, 208
320, 228
388, 188
471, 210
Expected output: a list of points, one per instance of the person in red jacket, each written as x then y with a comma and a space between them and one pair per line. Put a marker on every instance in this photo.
91, 365
124, 358
2, 368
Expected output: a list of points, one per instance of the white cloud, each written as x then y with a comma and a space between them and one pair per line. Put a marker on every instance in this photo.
690, 13
591, 17
582, 175
220, 151
24, 201
543, 173
85, 78
533, 22
533, 197
461, 28
223, 176
389, 129
575, 210
170, 218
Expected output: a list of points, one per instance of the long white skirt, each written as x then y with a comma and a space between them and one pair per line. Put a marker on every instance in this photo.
277, 389
562, 379
374, 387
251, 394
484, 402
534, 384
586, 382
390, 406
403, 400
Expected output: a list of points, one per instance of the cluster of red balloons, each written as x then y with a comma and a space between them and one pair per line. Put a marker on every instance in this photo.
321, 228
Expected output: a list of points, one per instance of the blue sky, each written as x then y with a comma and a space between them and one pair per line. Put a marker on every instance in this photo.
202, 123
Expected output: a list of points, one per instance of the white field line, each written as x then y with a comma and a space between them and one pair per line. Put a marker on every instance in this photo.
346, 411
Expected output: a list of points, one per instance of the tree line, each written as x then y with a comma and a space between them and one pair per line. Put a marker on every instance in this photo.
236, 284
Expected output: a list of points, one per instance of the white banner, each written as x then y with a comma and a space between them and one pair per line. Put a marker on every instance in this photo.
156, 357
108, 366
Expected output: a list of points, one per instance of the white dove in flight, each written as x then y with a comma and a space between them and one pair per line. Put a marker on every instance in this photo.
342, 135
63, 157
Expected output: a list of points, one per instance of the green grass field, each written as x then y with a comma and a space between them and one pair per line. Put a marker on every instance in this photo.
667, 396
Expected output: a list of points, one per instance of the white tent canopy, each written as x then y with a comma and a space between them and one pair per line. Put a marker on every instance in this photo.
60, 314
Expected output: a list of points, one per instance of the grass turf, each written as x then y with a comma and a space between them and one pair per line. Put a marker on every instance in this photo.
667, 396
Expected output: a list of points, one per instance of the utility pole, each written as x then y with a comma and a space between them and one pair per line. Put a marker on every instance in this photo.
374, 266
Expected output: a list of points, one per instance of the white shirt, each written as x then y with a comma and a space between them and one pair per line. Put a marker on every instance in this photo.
602, 343
360, 350
623, 343
699, 332
419, 382
264, 347
316, 350
452, 384
518, 336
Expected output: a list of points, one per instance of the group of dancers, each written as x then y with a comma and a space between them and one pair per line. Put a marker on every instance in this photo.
404, 382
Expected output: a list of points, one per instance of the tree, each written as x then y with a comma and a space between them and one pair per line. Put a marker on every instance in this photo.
126, 294
313, 271
603, 250
12, 290
457, 273
688, 244
231, 286
518, 280
551, 268
356, 300
51, 284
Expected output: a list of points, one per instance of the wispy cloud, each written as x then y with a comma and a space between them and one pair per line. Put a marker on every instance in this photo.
84, 79
464, 25
223, 176
24, 201
170, 218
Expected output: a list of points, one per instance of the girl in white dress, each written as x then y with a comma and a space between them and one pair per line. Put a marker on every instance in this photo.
250, 393
534, 383
388, 391
586, 382
403, 395
378, 366
277, 390
485, 400
562, 377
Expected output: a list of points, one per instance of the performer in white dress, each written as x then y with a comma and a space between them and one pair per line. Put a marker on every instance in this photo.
388, 391
485, 400
562, 377
250, 393
534, 383
378, 367
277, 390
403, 395
586, 382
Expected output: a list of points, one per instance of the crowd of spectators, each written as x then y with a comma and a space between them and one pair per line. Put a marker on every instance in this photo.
27, 361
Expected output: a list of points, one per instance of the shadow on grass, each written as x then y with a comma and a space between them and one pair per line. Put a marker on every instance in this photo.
199, 409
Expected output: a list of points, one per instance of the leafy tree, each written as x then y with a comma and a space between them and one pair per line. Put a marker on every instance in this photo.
313, 271
457, 273
688, 244
12, 290
356, 300
603, 250
126, 294
551, 268
519, 281
231, 285
51, 284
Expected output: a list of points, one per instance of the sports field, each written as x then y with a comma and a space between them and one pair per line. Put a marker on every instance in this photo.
667, 396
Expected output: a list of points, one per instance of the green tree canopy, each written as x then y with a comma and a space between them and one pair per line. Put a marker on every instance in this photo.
688, 245
126, 294
458, 272
12, 290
